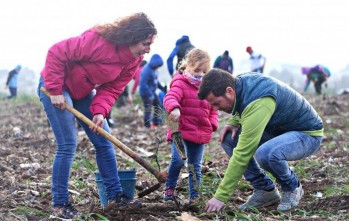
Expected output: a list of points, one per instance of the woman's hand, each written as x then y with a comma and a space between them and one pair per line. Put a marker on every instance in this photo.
98, 119
58, 101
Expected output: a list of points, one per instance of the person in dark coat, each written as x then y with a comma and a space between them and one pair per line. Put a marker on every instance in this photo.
224, 62
147, 89
12, 81
183, 45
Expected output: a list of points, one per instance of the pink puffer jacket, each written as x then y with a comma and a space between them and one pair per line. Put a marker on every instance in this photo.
198, 118
86, 62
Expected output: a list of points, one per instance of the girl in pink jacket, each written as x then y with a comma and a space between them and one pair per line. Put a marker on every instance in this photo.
196, 119
104, 58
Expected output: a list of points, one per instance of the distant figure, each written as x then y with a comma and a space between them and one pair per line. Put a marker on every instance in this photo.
125, 97
257, 60
147, 89
183, 45
12, 81
318, 75
137, 77
224, 62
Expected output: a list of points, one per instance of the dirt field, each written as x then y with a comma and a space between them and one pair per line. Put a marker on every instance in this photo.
26, 159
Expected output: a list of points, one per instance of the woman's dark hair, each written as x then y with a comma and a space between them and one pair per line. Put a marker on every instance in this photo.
128, 30
215, 81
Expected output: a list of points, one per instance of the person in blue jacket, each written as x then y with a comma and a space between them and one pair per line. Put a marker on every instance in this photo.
147, 90
183, 45
12, 81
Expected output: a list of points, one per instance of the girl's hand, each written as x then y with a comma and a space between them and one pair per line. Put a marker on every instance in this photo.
174, 115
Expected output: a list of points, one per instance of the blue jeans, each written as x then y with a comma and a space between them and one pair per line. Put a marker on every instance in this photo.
64, 128
272, 155
195, 153
152, 111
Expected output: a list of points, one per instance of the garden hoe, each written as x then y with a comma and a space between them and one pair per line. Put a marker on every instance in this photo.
160, 176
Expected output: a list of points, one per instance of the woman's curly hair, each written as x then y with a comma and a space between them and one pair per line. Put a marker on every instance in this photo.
128, 30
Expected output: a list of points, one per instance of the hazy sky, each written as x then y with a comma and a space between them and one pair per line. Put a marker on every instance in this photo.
304, 32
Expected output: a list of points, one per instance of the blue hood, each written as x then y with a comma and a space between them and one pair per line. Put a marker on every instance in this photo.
155, 61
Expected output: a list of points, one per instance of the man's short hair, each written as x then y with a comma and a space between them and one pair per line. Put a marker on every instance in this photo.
215, 81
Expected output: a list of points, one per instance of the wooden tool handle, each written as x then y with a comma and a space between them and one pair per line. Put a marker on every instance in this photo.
161, 177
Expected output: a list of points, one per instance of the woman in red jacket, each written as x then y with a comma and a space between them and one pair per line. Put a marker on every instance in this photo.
102, 59
196, 119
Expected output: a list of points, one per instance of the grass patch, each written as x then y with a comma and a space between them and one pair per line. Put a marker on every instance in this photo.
336, 190
25, 210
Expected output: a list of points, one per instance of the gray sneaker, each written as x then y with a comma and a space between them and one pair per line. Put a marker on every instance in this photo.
290, 200
261, 198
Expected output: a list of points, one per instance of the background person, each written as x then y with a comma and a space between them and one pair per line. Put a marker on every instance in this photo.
257, 60
125, 97
183, 45
12, 81
137, 77
224, 62
271, 124
318, 75
104, 58
149, 82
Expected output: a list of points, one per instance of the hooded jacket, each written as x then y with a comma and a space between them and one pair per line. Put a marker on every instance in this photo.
149, 77
86, 62
198, 118
183, 45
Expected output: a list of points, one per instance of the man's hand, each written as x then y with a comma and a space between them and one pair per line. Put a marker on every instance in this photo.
98, 119
214, 205
225, 130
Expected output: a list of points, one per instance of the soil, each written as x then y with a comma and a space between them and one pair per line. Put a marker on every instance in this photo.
26, 162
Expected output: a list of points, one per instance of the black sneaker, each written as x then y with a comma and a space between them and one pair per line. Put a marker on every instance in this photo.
65, 212
123, 200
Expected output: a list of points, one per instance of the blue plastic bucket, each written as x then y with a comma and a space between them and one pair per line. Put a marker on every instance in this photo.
127, 180
101, 189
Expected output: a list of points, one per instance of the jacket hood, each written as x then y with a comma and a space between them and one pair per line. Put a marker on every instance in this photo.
184, 38
155, 61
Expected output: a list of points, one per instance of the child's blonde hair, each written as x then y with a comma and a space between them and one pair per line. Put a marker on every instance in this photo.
195, 58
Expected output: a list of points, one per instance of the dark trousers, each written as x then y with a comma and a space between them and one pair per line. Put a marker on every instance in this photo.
318, 83
13, 92
152, 111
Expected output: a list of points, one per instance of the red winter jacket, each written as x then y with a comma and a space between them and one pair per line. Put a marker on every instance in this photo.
86, 62
198, 118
